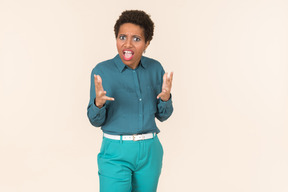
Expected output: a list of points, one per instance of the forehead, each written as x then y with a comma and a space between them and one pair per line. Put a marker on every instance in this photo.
131, 29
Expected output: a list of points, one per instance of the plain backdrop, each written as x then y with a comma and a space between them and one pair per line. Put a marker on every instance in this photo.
228, 132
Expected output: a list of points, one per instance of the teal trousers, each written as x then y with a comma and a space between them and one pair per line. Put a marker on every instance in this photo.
130, 166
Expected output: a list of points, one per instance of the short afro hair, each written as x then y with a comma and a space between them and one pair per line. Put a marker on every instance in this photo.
136, 17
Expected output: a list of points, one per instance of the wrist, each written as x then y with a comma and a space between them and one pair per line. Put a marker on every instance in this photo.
98, 105
165, 98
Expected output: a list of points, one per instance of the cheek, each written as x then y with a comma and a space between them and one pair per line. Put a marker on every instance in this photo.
141, 48
119, 48
119, 43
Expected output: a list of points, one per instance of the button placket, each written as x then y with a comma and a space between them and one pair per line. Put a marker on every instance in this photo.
137, 86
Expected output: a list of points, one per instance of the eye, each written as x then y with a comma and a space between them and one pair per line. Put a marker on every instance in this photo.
122, 37
136, 39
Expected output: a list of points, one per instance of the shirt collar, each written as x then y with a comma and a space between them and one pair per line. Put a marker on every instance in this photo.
121, 66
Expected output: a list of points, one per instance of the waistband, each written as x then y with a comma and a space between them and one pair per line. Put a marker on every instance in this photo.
135, 137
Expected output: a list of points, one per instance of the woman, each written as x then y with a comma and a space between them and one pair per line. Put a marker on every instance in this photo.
127, 93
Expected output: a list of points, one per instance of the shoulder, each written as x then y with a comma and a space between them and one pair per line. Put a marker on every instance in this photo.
151, 63
103, 66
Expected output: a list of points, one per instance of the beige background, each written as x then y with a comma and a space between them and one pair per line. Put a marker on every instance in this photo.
228, 132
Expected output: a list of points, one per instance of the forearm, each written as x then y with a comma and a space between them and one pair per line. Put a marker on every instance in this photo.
96, 116
164, 109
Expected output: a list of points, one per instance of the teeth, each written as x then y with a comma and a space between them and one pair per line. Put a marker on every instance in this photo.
128, 55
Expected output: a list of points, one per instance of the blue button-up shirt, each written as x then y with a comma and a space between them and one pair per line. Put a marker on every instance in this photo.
135, 92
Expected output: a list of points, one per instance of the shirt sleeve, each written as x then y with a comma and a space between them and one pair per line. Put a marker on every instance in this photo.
96, 116
164, 109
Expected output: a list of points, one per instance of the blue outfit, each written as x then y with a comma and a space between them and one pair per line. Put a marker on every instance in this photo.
135, 91
126, 166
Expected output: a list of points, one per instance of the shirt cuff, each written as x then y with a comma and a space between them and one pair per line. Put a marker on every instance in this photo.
165, 104
97, 110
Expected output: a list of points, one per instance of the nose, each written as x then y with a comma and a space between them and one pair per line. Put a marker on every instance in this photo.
128, 43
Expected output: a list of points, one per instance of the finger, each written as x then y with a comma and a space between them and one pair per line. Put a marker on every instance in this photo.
108, 98
161, 94
101, 94
169, 80
98, 83
95, 79
171, 76
164, 78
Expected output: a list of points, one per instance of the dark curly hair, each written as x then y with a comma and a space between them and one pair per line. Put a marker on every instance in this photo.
138, 18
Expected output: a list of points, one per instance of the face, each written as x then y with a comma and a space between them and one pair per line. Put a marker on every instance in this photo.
131, 44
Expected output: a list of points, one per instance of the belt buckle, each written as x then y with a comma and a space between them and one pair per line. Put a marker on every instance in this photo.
141, 138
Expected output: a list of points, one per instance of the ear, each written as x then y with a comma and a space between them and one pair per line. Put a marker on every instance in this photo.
147, 44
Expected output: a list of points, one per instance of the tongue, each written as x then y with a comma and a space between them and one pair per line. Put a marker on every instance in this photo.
128, 56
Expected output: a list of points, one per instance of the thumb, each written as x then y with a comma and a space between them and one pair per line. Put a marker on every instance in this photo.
159, 95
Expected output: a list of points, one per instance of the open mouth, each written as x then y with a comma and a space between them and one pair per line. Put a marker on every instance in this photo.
128, 55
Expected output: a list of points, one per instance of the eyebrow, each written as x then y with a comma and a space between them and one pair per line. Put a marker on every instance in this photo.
137, 36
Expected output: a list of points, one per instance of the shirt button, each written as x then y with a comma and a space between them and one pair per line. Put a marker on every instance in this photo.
140, 99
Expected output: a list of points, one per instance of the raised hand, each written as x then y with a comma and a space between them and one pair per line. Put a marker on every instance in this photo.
101, 97
166, 87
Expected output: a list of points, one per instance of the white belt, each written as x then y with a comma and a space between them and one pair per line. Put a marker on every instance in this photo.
135, 137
